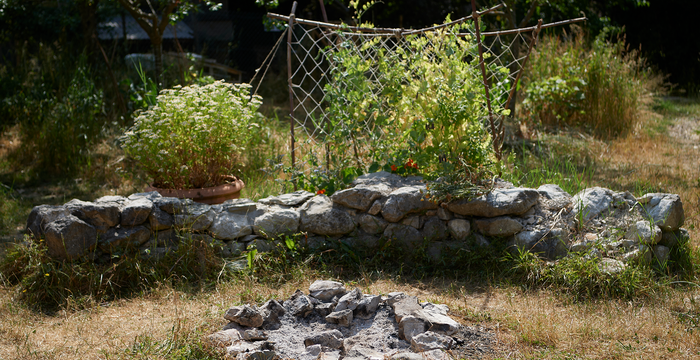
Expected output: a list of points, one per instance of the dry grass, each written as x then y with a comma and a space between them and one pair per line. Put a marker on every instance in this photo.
529, 324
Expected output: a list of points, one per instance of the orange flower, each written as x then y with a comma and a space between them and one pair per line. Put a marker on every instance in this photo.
393, 168
321, 192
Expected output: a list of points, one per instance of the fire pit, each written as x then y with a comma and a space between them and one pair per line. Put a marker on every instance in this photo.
333, 323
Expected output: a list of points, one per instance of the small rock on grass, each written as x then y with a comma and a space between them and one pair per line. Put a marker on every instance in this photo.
325, 290
244, 315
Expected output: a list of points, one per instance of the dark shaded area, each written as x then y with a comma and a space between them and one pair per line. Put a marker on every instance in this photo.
667, 34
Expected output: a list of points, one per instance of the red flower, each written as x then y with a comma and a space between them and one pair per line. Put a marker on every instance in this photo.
321, 192
393, 168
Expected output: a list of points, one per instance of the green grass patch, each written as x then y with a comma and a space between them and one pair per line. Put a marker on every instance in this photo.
592, 86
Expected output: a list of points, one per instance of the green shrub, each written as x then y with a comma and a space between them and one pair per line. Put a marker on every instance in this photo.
47, 284
59, 115
595, 87
194, 136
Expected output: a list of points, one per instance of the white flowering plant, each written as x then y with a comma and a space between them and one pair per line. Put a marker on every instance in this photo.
194, 136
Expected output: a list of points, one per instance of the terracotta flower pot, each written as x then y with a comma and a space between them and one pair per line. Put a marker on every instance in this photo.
210, 195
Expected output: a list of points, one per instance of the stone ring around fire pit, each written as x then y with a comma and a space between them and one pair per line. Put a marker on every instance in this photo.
332, 323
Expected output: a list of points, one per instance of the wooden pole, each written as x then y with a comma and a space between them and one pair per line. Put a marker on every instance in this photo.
290, 29
494, 135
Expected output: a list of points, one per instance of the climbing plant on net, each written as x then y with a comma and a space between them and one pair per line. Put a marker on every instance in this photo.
407, 102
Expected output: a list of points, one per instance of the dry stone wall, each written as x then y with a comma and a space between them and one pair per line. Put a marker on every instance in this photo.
613, 226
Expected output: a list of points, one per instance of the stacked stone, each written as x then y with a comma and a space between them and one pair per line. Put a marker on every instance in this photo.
547, 221
331, 323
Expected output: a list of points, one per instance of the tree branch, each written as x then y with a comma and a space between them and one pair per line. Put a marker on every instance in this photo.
138, 15
165, 17
510, 12
530, 12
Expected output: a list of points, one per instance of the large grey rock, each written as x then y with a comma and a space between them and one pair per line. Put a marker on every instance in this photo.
671, 239
555, 196
404, 306
168, 204
160, 220
444, 214
644, 233
325, 290
277, 222
498, 202
332, 339
195, 217
415, 319
440, 322
661, 253
350, 300
41, 216
292, 199
299, 305
430, 341
406, 200
239, 206
69, 238
371, 224
531, 240
459, 229
591, 202
360, 197
100, 215
434, 229
411, 326
340, 317
376, 207
367, 307
665, 209
415, 221
321, 217
230, 226
244, 315
498, 226
404, 236
135, 212
124, 237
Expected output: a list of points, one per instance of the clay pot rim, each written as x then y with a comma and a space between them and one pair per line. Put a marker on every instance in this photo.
201, 194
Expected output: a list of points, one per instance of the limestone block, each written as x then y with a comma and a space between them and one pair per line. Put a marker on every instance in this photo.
498, 202
405, 200
321, 217
360, 197
69, 238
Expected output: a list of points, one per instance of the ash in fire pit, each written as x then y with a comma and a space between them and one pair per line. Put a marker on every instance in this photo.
332, 323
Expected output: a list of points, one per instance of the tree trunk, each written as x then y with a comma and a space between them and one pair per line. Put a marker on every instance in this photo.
88, 22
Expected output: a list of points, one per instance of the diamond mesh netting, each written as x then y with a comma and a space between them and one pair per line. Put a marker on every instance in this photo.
357, 93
